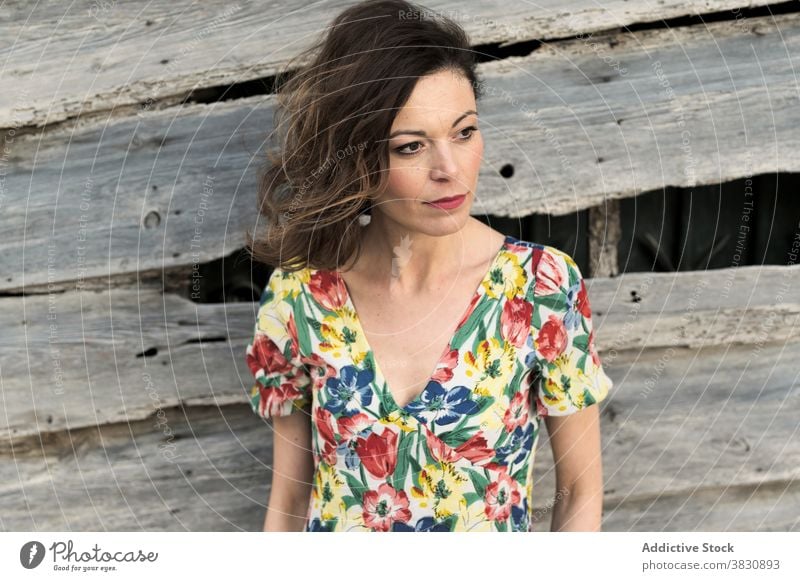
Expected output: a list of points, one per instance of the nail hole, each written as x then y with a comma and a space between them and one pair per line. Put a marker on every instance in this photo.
149, 353
152, 219
507, 170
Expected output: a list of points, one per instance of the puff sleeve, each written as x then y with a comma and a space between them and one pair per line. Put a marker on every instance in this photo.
282, 382
569, 373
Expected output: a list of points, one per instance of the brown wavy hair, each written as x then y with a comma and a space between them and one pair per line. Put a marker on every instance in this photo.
333, 117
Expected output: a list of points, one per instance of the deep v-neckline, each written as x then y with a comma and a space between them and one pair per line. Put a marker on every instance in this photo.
380, 378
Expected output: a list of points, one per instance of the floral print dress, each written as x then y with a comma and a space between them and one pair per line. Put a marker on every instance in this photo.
459, 456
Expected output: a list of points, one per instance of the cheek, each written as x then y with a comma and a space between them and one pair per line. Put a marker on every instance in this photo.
405, 183
473, 160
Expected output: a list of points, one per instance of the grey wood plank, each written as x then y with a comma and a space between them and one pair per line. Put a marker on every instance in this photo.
89, 58
83, 358
774, 506
202, 469
743, 305
176, 187
207, 468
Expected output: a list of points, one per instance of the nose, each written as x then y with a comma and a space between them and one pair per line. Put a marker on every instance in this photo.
443, 162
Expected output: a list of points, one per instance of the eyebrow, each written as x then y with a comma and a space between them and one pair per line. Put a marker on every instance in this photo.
423, 134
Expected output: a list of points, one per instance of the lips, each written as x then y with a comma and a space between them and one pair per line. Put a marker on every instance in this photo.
448, 199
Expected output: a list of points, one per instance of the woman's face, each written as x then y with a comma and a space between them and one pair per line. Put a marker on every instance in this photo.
435, 151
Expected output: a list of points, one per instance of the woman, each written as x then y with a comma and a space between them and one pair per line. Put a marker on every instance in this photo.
406, 363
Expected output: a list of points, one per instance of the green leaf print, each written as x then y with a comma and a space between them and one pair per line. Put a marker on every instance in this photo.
287, 350
581, 342
536, 320
589, 399
554, 302
416, 469
455, 437
471, 498
400, 470
316, 326
302, 330
521, 473
475, 319
479, 481
350, 501
530, 291
582, 361
451, 521
356, 486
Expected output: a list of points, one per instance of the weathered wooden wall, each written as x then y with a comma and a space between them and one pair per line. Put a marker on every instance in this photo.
124, 402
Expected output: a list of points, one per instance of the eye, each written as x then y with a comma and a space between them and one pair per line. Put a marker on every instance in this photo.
472, 129
402, 149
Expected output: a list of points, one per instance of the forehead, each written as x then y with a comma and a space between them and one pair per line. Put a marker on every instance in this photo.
437, 98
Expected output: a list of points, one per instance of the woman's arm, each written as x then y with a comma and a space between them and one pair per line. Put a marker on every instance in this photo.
293, 470
575, 440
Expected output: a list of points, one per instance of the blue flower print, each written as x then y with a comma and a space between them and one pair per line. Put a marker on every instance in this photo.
349, 392
530, 358
425, 524
517, 447
317, 526
436, 404
572, 320
519, 517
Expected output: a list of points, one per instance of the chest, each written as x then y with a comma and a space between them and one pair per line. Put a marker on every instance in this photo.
409, 336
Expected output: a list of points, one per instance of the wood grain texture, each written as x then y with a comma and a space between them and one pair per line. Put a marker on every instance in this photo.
199, 469
175, 187
81, 358
92, 57
711, 444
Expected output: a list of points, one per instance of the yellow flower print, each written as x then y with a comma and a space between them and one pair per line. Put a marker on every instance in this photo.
329, 488
568, 384
405, 422
340, 332
288, 284
491, 366
507, 277
492, 418
473, 518
353, 520
444, 486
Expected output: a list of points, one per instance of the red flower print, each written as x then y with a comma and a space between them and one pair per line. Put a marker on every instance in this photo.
439, 450
272, 398
328, 289
516, 320
470, 308
549, 276
444, 373
517, 413
552, 338
582, 301
351, 426
385, 506
500, 496
476, 450
292, 329
378, 453
264, 355
593, 349
318, 369
325, 427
